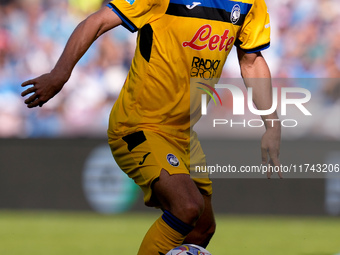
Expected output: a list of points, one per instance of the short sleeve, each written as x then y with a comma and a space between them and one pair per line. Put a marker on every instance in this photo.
136, 13
254, 35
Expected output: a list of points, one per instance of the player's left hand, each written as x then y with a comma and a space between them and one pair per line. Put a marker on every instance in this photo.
270, 149
44, 88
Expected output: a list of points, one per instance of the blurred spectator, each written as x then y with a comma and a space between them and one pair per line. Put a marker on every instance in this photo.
32, 36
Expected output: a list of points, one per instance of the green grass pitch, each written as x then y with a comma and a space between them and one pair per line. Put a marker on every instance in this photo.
61, 233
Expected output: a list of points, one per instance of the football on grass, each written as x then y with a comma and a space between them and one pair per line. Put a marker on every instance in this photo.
188, 249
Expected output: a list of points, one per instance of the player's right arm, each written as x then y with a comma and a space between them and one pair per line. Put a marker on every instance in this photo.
48, 85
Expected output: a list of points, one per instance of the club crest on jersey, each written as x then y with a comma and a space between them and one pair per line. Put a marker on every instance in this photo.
235, 14
172, 159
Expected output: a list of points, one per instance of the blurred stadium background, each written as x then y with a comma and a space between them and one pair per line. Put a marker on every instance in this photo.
60, 191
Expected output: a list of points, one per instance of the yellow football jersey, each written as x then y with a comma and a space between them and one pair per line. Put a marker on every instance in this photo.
178, 40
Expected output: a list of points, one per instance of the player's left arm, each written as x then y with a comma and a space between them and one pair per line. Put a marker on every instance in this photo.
256, 74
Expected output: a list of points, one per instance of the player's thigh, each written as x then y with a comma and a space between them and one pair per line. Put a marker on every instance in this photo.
179, 194
143, 154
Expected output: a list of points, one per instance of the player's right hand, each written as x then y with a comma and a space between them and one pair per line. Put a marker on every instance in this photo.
44, 88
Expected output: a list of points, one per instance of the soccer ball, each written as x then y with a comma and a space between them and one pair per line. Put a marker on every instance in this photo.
188, 249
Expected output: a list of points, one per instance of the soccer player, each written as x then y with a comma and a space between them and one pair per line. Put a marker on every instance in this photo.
149, 129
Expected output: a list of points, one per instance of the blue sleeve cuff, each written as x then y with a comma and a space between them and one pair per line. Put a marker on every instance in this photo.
126, 22
257, 49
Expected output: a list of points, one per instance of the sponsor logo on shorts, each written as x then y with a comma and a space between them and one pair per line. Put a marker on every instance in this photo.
172, 159
144, 157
